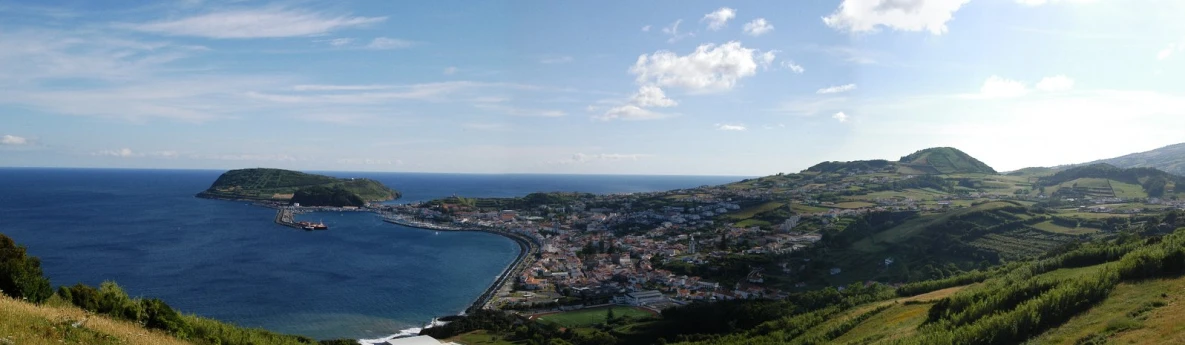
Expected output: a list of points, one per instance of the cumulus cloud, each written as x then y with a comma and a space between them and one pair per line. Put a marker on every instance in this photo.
719, 19
709, 68
1055, 84
858, 16
383, 43
997, 87
255, 23
728, 127
793, 67
13, 140
646, 28
836, 89
652, 96
630, 112
841, 117
758, 27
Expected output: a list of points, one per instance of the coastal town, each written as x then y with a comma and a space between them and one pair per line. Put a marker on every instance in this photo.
738, 241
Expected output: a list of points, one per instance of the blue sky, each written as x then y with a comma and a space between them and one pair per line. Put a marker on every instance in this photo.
662, 87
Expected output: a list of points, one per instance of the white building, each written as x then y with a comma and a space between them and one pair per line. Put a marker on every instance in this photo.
641, 298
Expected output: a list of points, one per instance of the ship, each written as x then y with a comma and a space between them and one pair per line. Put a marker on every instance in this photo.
310, 226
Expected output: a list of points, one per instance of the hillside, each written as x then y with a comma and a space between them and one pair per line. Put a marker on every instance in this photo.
1170, 159
931, 161
945, 160
283, 185
1092, 179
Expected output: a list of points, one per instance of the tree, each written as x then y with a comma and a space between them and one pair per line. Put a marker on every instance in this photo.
609, 315
20, 274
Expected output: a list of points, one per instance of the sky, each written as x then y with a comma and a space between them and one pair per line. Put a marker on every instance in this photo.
596, 87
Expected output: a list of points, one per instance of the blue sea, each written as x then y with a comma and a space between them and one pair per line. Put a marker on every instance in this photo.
364, 278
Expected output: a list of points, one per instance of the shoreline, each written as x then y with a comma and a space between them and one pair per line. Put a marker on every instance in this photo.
526, 247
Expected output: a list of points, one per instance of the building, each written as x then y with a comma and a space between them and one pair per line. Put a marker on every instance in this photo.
691, 245
641, 298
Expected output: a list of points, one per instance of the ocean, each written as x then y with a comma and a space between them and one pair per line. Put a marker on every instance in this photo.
226, 260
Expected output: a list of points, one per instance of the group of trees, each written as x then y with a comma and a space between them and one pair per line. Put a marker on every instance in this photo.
326, 196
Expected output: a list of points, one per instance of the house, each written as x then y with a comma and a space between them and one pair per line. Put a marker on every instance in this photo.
835, 270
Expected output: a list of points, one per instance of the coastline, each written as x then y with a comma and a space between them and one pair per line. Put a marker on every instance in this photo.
526, 247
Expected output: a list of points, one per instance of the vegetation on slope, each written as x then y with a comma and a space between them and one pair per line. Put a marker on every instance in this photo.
326, 196
1170, 159
946, 160
278, 184
1155, 183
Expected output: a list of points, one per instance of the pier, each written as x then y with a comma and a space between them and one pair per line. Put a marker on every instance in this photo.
287, 217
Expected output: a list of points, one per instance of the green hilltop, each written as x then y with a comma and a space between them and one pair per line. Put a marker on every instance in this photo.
945, 160
931, 161
286, 185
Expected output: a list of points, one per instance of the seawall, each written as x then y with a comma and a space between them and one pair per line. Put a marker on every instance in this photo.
526, 247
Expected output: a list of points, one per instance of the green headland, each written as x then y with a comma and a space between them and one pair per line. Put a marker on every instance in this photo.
264, 184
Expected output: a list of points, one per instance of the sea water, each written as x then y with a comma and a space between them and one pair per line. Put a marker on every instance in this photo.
227, 260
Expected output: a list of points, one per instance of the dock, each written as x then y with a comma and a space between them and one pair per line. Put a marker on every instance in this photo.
287, 217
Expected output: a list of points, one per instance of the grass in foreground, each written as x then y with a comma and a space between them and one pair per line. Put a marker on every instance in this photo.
26, 323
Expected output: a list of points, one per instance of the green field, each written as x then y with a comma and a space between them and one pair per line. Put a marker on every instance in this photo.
854, 204
1058, 229
749, 212
480, 337
590, 317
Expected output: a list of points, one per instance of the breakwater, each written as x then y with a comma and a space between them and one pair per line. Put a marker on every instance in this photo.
527, 247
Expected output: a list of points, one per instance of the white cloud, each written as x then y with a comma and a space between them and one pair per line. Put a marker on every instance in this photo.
646, 28
652, 96
997, 87
581, 158
124, 152
516, 111
13, 140
858, 16
719, 19
338, 42
728, 127
128, 153
256, 23
1043, 2
758, 27
630, 112
710, 68
383, 43
1055, 84
673, 31
556, 59
836, 89
1167, 52
325, 87
841, 117
793, 67
450, 70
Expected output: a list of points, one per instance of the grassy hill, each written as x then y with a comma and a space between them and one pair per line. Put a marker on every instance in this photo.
282, 185
1105, 180
1170, 159
945, 160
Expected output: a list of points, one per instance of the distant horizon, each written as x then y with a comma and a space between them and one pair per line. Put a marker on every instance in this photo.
374, 171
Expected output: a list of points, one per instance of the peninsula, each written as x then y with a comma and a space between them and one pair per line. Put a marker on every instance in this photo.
278, 185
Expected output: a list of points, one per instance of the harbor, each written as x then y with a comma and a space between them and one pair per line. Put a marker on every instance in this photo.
526, 247
287, 217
